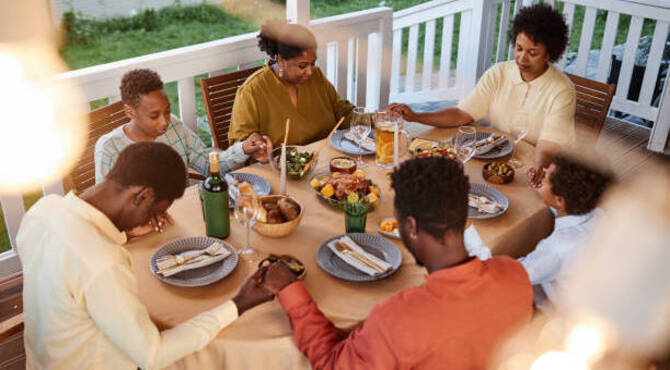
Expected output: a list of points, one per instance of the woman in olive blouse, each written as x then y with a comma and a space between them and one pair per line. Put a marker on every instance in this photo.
289, 86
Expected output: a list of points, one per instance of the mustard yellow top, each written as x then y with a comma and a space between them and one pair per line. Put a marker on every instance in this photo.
262, 105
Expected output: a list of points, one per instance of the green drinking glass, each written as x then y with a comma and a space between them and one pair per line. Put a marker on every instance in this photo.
354, 217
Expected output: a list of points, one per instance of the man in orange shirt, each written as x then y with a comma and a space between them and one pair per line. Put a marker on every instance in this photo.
453, 321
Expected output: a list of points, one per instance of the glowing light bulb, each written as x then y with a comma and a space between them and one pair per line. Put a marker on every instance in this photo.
556, 360
585, 342
41, 133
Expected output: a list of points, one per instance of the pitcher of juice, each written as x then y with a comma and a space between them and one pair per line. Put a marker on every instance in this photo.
386, 123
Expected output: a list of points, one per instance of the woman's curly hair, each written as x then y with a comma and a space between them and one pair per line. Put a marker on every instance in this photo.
579, 184
542, 24
139, 82
287, 40
434, 191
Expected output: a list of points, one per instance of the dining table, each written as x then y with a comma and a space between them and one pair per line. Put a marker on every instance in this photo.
261, 338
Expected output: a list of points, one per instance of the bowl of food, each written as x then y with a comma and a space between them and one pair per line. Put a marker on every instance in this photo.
340, 189
498, 172
389, 228
297, 158
280, 215
342, 165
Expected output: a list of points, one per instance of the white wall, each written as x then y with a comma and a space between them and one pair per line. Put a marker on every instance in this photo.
111, 8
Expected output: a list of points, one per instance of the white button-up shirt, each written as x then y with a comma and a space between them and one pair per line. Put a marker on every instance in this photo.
81, 308
545, 264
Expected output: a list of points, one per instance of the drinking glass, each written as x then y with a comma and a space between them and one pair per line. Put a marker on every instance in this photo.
464, 143
518, 131
361, 125
247, 211
465, 153
467, 135
355, 215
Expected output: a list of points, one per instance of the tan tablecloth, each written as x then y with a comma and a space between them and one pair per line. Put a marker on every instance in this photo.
261, 338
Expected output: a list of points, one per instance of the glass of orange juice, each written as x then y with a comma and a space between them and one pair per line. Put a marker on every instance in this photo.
386, 123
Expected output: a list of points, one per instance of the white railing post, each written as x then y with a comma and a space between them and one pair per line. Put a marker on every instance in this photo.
187, 110
660, 132
297, 11
385, 41
481, 43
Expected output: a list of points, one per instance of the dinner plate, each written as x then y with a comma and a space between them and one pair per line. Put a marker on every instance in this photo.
373, 244
340, 143
491, 193
261, 186
497, 152
386, 233
197, 277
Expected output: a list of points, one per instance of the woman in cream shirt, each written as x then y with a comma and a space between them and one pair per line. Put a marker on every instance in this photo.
529, 84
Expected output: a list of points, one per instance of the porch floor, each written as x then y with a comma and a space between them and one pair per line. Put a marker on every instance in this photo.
623, 143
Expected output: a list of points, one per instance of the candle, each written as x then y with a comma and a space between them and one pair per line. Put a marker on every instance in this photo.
395, 143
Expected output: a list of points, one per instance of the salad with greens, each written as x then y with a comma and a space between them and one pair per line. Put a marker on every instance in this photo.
295, 161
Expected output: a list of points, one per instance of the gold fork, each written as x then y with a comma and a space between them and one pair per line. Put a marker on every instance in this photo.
342, 248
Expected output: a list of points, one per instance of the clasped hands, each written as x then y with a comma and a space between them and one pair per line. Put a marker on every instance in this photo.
263, 285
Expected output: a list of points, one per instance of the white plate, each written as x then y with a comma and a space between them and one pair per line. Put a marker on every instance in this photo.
395, 234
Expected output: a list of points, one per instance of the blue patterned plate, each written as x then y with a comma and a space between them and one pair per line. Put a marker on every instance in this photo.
373, 244
261, 186
340, 143
497, 152
491, 193
197, 277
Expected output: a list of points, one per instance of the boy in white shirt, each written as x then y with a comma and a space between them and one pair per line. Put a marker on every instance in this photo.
572, 190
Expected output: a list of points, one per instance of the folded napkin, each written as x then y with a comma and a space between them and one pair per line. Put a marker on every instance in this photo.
483, 204
355, 262
367, 143
173, 264
485, 145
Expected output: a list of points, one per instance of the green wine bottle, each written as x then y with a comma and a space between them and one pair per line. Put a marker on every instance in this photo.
215, 201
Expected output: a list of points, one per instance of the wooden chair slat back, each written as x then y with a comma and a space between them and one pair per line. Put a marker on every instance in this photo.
219, 93
593, 103
101, 121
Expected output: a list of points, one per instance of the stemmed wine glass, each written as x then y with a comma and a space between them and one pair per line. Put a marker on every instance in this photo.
361, 125
518, 131
247, 211
465, 142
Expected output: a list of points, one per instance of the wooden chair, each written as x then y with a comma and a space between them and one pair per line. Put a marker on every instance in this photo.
101, 121
593, 103
12, 352
219, 95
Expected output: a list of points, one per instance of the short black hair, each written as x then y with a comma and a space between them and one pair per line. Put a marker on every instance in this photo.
580, 184
151, 164
434, 191
288, 40
542, 24
139, 82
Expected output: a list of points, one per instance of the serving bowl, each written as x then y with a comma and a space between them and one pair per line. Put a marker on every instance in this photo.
295, 175
282, 229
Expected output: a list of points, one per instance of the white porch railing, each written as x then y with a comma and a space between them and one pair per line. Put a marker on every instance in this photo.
476, 42
354, 51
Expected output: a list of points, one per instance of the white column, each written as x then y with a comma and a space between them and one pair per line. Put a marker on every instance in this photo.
481, 42
297, 11
660, 132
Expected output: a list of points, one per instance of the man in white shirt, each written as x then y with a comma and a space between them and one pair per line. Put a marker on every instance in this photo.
572, 189
80, 295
